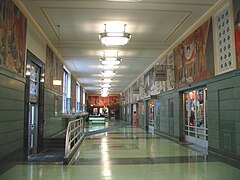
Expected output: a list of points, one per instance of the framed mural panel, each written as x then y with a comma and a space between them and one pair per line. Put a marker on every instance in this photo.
162, 85
236, 15
97, 100
170, 71
12, 38
190, 64
149, 81
224, 47
54, 71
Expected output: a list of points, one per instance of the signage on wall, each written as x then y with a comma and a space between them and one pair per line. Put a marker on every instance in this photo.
160, 73
153, 96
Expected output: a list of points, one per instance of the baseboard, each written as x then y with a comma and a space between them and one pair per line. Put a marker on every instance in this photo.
223, 154
168, 136
11, 159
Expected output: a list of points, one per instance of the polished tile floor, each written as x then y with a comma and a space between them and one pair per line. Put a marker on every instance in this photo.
130, 153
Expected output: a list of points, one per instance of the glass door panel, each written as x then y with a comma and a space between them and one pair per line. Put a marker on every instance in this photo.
151, 115
195, 116
32, 138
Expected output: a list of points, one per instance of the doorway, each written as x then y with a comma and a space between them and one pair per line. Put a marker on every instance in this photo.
196, 128
151, 115
34, 106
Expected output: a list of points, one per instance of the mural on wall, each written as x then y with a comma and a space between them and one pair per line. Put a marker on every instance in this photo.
135, 91
142, 93
162, 84
190, 64
170, 71
236, 14
224, 41
97, 100
12, 37
148, 81
122, 99
54, 71
126, 97
114, 100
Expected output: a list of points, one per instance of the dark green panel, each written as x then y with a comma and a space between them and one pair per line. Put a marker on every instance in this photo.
8, 138
232, 104
11, 126
11, 83
230, 115
230, 82
11, 115
227, 127
212, 105
227, 94
11, 94
53, 125
212, 142
6, 104
212, 96
10, 147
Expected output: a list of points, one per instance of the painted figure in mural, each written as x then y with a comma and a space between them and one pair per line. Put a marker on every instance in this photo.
12, 37
3, 36
237, 36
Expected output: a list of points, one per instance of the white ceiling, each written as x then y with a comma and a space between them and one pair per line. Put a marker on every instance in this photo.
154, 25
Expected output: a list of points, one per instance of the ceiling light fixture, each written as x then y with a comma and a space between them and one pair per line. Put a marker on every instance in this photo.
108, 66
105, 85
114, 38
107, 80
110, 60
108, 73
126, 0
104, 94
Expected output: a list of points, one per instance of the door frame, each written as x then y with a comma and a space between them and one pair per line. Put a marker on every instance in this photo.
40, 125
195, 139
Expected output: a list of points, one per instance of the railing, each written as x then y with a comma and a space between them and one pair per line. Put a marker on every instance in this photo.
74, 135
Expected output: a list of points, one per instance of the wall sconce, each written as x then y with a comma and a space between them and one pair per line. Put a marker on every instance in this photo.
57, 82
28, 70
42, 77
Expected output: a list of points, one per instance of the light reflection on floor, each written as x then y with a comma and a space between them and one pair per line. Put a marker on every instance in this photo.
131, 153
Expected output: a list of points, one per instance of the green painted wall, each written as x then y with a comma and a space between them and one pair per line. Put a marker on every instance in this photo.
53, 123
142, 113
224, 114
11, 115
169, 120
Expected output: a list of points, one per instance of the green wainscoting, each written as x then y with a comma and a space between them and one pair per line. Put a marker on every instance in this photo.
224, 115
53, 122
11, 114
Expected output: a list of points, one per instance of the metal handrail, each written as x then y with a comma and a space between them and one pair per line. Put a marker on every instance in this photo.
74, 134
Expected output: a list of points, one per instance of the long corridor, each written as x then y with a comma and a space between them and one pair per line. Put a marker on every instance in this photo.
127, 152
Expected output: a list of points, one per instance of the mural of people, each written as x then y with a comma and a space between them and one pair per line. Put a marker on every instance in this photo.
190, 57
97, 100
12, 37
54, 71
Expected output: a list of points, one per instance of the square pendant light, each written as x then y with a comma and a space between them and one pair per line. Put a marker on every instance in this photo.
108, 73
114, 38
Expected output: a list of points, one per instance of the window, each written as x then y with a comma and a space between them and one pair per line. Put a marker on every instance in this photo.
66, 91
77, 97
84, 99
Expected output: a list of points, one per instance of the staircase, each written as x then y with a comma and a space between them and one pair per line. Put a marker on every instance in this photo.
56, 143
